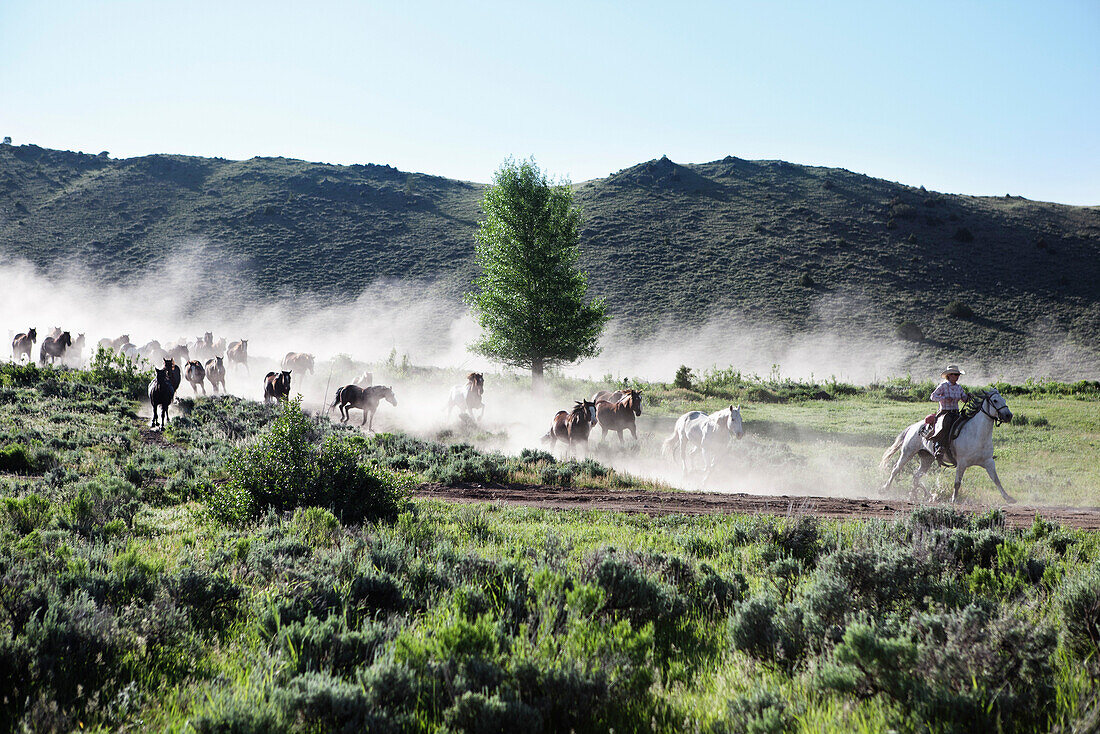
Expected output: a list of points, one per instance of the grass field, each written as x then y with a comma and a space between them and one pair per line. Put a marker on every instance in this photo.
146, 585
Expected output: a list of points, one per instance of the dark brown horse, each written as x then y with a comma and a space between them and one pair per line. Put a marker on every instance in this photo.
615, 416
22, 345
277, 386
301, 361
161, 393
237, 353
195, 374
54, 348
173, 371
574, 426
215, 372
366, 399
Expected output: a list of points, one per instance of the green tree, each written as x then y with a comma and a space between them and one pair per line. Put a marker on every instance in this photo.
531, 299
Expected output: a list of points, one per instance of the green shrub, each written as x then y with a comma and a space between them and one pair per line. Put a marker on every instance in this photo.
909, 331
98, 502
27, 514
761, 711
768, 632
630, 591
210, 599
283, 470
477, 713
18, 459
683, 378
1080, 602
328, 646
958, 310
325, 703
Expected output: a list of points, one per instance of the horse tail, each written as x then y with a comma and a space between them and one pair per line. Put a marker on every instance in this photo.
336, 397
893, 449
666, 446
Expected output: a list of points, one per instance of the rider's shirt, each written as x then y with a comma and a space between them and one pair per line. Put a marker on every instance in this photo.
948, 395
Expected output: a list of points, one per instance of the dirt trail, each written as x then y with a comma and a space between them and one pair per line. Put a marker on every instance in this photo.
710, 503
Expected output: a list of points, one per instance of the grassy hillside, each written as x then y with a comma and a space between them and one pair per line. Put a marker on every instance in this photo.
798, 247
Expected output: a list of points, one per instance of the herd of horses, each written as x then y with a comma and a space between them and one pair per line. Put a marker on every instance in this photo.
696, 434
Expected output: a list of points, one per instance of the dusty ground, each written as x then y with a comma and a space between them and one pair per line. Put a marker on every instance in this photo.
706, 503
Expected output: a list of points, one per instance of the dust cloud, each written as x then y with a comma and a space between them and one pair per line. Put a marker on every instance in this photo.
397, 330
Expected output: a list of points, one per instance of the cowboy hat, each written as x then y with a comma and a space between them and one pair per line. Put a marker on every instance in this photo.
952, 369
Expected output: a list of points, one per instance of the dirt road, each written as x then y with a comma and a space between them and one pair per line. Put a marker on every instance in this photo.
708, 503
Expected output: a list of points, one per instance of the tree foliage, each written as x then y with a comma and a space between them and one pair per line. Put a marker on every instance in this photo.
531, 298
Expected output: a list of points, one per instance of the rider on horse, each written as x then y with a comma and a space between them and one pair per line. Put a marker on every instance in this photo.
947, 394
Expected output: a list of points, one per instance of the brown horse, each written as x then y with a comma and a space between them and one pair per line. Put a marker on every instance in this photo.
277, 386
173, 371
215, 372
301, 361
161, 393
611, 397
615, 416
22, 345
574, 426
54, 348
195, 374
179, 354
366, 399
237, 353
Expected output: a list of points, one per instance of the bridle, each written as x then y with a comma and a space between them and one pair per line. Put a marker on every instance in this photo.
995, 417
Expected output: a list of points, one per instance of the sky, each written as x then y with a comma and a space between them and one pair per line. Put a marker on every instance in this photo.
975, 98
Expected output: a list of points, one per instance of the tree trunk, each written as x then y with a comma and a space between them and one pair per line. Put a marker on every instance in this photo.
536, 373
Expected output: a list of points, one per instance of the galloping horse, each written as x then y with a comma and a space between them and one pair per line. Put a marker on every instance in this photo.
195, 374
972, 447
152, 351
277, 386
161, 393
203, 347
237, 353
54, 348
574, 426
300, 361
114, 344
22, 345
173, 371
215, 372
467, 398
615, 416
75, 352
366, 399
707, 434
180, 354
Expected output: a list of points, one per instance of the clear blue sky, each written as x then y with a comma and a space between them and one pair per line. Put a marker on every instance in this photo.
963, 97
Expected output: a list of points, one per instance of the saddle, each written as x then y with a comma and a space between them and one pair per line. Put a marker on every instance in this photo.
947, 458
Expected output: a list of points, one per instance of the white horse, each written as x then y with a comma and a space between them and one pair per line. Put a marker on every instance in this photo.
467, 398
705, 434
973, 447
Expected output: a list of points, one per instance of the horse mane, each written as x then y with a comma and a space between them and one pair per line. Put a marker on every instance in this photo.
974, 404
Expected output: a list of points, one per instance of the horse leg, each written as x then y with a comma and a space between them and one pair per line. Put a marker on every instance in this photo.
906, 454
926, 462
365, 411
620, 432
959, 470
991, 470
633, 432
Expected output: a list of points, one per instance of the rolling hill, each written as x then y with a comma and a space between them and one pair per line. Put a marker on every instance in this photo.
794, 247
